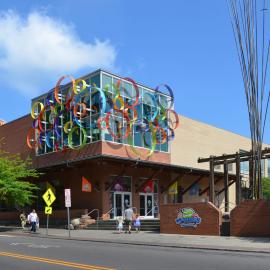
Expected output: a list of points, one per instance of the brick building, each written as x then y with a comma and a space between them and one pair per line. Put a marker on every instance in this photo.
120, 170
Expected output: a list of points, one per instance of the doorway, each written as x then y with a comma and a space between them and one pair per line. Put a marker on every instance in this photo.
147, 205
122, 200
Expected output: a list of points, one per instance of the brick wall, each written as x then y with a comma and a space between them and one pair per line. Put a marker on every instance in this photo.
14, 136
251, 218
121, 150
210, 215
15, 132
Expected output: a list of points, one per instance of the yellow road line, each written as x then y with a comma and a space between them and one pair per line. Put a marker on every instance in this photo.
55, 262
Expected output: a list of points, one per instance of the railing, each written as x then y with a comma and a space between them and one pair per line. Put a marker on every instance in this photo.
112, 209
92, 211
152, 210
107, 213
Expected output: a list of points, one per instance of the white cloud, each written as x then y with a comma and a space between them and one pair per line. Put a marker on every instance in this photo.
39, 48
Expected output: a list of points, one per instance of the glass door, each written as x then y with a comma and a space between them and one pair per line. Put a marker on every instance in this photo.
122, 200
117, 205
147, 204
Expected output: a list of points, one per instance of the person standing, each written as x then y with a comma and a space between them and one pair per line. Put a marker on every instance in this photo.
128, 219
120, 224
32, 219
23, 220
137, 223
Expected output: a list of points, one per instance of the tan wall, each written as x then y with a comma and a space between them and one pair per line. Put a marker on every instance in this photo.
194, 139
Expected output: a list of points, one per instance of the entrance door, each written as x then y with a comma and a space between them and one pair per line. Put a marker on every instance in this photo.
147, 204
121, 202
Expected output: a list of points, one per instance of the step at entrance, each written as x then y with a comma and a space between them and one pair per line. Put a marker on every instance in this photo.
146, 225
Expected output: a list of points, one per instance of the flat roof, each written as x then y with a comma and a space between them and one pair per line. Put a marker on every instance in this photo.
93, 73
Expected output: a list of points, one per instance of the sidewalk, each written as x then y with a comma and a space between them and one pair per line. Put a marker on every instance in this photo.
243, 244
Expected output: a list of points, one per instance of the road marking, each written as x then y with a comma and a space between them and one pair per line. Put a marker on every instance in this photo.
55, 262
32, 245
6, 235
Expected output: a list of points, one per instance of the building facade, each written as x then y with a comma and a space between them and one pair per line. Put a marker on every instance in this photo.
116, 143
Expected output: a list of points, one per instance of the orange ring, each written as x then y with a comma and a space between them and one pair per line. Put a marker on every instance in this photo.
162, 130
28, 138
75, 110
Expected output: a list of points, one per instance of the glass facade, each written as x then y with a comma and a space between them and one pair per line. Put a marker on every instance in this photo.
105, 97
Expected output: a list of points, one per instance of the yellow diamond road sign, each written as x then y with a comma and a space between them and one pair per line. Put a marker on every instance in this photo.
48, 210
49, 197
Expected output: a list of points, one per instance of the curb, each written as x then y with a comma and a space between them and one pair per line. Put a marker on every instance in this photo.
137, 243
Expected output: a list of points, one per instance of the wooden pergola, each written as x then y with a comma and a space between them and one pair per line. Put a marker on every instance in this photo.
224, 160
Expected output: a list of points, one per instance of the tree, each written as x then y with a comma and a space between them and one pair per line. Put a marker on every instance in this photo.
14, 189
266, 187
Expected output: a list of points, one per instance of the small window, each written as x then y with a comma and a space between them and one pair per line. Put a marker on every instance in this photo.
230, 167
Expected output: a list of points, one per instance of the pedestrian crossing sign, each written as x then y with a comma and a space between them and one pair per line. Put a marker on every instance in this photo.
48, 210
49, 197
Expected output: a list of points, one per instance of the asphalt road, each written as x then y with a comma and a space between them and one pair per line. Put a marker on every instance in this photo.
27, 253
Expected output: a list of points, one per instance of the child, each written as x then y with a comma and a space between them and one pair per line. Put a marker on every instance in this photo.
137, 223
120, 224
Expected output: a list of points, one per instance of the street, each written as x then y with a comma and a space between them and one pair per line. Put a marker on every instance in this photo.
27, 253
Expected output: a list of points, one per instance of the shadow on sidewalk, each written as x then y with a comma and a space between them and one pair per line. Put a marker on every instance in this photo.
8, 229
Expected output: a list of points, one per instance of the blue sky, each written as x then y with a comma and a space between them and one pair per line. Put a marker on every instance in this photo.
187, 44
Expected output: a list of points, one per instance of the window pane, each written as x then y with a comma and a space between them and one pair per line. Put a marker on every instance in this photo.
95, 80
107, 82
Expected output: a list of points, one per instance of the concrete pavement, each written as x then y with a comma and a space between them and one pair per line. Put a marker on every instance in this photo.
243, 244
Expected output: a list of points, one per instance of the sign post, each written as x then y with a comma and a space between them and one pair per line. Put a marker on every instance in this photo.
47, 225
49, 198
68, 205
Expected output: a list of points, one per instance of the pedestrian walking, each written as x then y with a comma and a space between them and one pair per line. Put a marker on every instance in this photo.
120, 224
23, 220
33, 219
137, 223
128, 219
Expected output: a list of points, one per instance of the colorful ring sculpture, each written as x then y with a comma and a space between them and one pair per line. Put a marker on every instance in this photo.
65, 115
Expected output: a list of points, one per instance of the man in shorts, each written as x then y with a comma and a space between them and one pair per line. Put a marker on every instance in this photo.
128, 219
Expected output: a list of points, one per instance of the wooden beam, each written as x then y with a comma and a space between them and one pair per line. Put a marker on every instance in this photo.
193, 184
238, 181
226, 186
206, 189
212, 181
230, 156
172, 181
230, 183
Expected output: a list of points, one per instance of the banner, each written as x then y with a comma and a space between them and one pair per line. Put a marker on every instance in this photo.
86, 185
173, 189
148, 187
